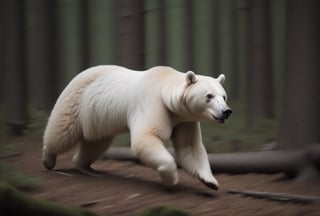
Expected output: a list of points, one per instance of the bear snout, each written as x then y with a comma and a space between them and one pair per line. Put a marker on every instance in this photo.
226, 113
223, 115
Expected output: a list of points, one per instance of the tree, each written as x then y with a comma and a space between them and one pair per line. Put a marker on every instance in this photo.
216, 41
175, 34
42, 46
278, 18
15, 66
68, 39
130, 49
240, 49
102, 47
260, 77
225, 41
85, 33
301, 117
203, 35
154, 33
1, 52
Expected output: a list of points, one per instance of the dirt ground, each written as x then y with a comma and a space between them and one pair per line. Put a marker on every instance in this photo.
126, 188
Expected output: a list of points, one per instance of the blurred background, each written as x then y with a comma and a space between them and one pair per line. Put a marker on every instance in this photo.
268, 50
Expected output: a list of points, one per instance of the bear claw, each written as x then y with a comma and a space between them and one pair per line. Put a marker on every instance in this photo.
210, 185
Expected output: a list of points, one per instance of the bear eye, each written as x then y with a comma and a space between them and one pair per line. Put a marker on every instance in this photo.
210, 96
224, 98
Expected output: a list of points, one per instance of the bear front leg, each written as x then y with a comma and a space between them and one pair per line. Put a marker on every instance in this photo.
191, 154
152, 152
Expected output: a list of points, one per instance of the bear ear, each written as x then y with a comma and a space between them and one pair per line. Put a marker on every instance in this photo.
191, 77
221, 78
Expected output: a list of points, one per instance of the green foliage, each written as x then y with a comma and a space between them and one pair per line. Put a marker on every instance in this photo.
16, 178
232, 136
122, 140
38, 121
8, 173
36, 124
3, 130
236, 136
163, 211
14, 202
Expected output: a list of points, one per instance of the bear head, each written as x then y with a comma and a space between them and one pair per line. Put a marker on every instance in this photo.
205, 98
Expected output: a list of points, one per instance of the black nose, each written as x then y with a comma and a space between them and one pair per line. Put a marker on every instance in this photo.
227, 113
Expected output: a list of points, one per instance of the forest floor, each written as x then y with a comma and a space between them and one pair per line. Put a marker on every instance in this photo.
126, 188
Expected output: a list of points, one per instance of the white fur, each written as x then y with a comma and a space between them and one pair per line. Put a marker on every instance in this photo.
154, 106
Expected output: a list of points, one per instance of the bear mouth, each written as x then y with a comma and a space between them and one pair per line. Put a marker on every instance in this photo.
220, 120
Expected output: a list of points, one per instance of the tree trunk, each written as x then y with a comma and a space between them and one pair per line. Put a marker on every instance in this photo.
203, 36
42, 51
241, 47
225, 41
301, 117
103, 32
293, 163
175, 34
85, 34
216, 38
154, 33
189, 29
260, 79
15, 66
2, 18
68, 40
130, 33
278, 19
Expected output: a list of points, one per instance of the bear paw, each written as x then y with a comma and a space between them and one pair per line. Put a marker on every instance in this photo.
169, 175
48, 160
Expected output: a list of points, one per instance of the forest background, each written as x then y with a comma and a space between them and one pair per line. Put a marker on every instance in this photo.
268, 50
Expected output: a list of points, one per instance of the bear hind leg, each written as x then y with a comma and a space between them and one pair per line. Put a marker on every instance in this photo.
48, 159
50, 151
88, 152
58, 138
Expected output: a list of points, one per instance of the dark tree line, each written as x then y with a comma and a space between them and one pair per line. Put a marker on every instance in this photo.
129, 30
260, 77
45, 43
14, 65
45, 55
301, 117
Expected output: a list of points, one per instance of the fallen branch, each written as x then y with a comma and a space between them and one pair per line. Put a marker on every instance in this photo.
121, 154
11, 155
124, 154
293, 163
60, 173
267, 162
277, 196
90, 203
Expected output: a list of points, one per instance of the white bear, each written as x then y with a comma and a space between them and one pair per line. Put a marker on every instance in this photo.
154, 106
